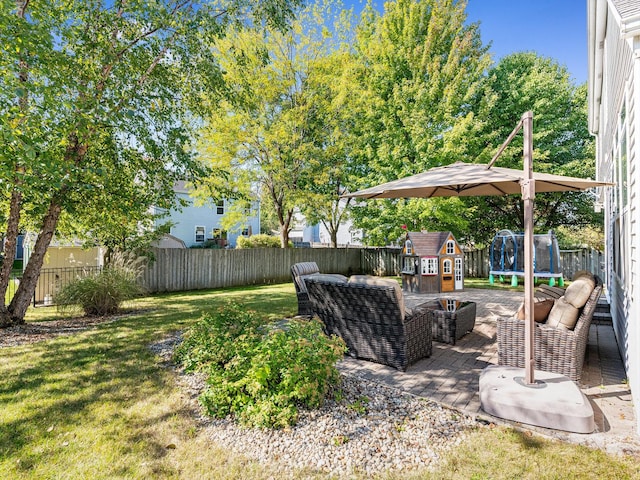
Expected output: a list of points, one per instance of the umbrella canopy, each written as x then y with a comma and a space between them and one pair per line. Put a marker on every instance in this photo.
471, 179
468, 179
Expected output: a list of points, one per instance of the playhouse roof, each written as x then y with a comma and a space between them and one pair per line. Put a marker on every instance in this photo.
428, 243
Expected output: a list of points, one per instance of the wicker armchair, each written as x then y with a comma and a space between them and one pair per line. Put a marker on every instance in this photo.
372, 321
557, 350
298, 272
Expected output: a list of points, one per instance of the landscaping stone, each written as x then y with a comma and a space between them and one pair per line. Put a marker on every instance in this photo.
368, 428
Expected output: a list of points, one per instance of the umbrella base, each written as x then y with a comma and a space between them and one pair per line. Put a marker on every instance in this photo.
553, 401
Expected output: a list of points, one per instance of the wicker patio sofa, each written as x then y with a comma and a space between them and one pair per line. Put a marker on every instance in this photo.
298, 272
368, 314
557, 348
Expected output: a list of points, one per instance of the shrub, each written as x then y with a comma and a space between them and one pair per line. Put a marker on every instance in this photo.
211, 244
103, 293
260, 373
261, 240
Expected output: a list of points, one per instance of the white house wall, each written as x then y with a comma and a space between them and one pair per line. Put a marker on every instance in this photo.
620, 92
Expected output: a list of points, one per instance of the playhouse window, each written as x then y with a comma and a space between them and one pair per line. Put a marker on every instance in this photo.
451, 247
446, 267
408, 247
429, 265
199, 234
458, 270
408, 266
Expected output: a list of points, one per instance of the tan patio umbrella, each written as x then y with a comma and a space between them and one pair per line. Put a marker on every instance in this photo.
471, 179
464, 179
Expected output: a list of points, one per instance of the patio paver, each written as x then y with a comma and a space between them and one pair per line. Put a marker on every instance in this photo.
451, 374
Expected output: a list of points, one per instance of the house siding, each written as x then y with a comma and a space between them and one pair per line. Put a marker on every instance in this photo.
620, 92
190, 216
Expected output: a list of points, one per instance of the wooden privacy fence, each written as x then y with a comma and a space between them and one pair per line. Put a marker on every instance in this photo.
193, 269
476, 262
583, 259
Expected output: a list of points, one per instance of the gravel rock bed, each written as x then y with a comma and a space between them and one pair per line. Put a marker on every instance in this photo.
367, 429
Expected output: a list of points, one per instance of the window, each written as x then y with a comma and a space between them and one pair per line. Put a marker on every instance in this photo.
619, 200
245, 232
408, 265
199, 234
220, 207
408, 247
216, 233
446, 267
458, 270
451, 247
429, 265
622, 163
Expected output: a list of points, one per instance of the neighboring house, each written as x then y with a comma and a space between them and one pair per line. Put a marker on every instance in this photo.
195, 225
348, 235
614, 119
19, 249
432, 262
63, 262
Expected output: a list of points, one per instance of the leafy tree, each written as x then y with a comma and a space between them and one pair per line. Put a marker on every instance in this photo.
264, 139
82, 82
561, 141
419, 70
331, 167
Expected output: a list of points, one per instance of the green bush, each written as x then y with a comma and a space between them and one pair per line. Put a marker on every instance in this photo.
260, 373
261, 240
103, 293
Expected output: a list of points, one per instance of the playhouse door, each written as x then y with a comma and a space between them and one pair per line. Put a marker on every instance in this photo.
446, 282
457, 273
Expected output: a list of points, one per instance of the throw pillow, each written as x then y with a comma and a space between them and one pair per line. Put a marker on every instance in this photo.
563, 315
579, 291
541, 309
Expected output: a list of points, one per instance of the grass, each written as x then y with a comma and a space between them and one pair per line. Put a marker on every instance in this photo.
99, 404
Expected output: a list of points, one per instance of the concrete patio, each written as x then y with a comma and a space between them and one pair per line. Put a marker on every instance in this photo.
451, 374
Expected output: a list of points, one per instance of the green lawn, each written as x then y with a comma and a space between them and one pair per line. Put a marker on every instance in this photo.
98, 404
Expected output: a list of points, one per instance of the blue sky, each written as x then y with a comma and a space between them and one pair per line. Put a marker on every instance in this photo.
552, 28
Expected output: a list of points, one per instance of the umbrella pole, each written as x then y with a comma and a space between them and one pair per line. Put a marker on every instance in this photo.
528, 195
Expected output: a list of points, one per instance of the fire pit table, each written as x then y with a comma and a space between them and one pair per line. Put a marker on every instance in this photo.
451, 319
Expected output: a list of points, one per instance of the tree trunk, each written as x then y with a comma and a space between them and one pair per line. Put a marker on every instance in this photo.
13, 225
284, 237
334, 237
21, 300
15, 206
285, 225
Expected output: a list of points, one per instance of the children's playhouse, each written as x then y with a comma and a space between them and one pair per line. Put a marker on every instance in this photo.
432, 262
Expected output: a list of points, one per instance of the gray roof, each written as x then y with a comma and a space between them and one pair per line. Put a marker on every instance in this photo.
428, 243
626, 8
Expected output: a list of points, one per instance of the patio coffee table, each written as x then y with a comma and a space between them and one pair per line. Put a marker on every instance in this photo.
451, 319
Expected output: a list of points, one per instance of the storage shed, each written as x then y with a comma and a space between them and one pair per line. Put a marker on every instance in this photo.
432, 262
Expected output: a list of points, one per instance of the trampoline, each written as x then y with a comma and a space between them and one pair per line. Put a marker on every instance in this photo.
506, 255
